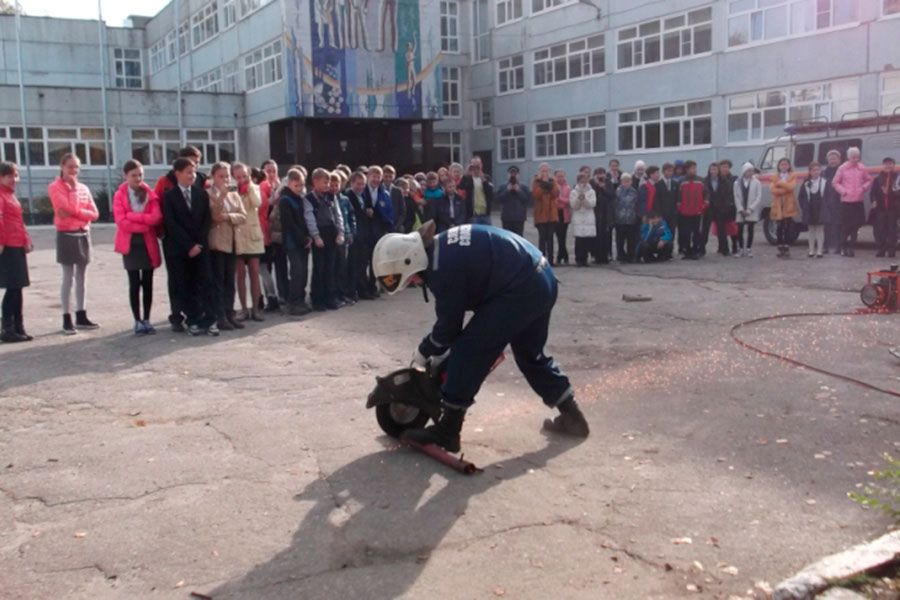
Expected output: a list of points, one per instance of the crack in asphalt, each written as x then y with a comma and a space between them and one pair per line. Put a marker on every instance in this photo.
123, 498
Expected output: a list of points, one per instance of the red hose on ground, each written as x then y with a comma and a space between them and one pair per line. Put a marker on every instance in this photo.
798, 363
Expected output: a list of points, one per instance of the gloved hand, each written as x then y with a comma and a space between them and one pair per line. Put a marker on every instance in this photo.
419, 360
429, 363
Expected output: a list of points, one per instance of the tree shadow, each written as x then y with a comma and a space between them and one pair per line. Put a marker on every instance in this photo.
375, 512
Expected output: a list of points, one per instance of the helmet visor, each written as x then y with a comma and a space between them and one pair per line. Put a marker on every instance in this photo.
390, 282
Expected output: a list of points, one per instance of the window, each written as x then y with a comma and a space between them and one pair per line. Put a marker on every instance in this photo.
508, 11
484, 113
47, 145
571, 60
670, 126
542, 5
215, 144
451, 141
184, 39
671, 38
512, 143
231, 83
764, 115
158, 56
128, 68
262, 67
758, 20
510, 74
450, 78
450, 26
247, 7
229, 13
210, 81
205, 24
155, 147
890, 93
481, 30
170, 47
570, 137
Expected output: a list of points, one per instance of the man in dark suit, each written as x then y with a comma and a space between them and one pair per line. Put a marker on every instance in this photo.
187, 218
667, 196
478, 191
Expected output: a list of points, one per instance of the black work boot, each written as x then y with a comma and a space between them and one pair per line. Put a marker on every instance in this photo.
272, 304
444, 433
570, 421
8, 334
19, 327
82, 321
68, 327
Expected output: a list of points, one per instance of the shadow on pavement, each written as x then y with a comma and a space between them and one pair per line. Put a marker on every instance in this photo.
375, 512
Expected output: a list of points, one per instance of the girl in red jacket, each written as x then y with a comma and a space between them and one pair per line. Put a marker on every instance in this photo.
73, 212
138, 215
14, 245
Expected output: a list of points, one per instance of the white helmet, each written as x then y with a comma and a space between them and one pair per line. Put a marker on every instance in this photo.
396, 258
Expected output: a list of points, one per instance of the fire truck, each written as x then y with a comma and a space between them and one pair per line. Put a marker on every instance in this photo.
877, 136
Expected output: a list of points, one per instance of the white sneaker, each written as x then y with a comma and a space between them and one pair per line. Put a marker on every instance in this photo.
748, 253
737, 254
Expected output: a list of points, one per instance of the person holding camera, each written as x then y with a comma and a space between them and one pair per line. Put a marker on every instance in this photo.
514, 199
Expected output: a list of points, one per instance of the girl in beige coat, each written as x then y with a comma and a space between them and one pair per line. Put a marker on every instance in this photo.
249, 244
228, 213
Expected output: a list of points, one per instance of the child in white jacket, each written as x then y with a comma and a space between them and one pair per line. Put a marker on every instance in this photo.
748, 200
582, 201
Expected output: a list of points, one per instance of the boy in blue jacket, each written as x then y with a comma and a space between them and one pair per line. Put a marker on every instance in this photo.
510, 287
656, 239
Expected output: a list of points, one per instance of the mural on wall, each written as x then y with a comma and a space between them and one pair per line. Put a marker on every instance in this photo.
363, 59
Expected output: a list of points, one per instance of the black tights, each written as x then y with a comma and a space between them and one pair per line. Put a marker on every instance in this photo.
136, 281
783, 231
12, 303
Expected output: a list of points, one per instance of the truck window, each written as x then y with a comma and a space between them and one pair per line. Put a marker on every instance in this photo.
839, 145
803, 155
771, 157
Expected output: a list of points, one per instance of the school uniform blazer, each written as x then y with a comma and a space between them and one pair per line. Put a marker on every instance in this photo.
185, 227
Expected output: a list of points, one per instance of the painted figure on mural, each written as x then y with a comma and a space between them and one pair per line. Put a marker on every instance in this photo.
340, 23
411, 68
388, 6
325, 21
358, 10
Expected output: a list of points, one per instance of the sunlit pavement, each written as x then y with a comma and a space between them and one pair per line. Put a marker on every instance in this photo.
246, 466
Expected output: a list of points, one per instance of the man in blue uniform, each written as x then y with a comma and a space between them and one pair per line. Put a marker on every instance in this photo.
511, 289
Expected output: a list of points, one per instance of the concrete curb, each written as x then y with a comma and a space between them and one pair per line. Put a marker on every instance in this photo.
816, 577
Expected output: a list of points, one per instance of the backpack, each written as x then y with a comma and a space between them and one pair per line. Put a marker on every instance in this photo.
275, 231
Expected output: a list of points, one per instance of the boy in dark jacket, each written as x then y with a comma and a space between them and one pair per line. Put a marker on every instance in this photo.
326, 227
603, 215
452, 210
666, 199
360, 251
885, 197
656, 239
692, 203
515, 200
343, 284
295, 240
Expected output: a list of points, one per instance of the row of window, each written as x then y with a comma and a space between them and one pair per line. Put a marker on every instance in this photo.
262, 67
153, 147
751, 118
211, 19
674, 36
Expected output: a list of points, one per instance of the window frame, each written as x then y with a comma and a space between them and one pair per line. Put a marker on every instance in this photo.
568, 132
481, 37
508, 73
513, 138
549, 5
480, 108
883, 93
455, 144
450, 39
568, 55
662, 120
43, 143
756, 116
447, 82
509, 4
661, 34
228, 7
248, 7
788, 6
277, 56
209, 142
121, 60
205, 21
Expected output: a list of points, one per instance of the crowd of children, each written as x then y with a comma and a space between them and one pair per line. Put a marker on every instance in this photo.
240, 229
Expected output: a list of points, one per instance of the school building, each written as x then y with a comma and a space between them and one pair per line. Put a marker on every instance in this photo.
422, 82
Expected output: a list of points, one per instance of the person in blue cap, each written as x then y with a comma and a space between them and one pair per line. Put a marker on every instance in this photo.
511, 289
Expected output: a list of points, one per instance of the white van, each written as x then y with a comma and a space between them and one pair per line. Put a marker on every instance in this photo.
876, 136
